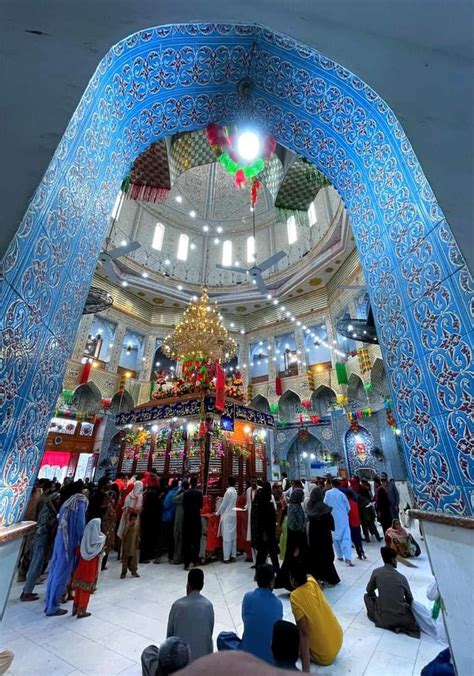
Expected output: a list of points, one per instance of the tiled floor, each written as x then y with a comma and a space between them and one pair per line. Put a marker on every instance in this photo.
129, 614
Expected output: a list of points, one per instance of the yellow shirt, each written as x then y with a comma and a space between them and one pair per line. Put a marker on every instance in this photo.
325, 633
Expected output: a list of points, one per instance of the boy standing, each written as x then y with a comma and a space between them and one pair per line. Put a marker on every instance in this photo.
130, 544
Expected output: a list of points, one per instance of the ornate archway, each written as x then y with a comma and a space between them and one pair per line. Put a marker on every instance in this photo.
179, 78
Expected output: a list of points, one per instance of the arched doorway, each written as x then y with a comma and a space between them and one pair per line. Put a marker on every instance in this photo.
121, 402
303, 452
87, 398
260, 403
322, 399
289, 406
180, 78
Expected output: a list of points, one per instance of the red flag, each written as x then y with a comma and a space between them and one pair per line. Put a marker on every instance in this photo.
278, 386
220, 388
86, 371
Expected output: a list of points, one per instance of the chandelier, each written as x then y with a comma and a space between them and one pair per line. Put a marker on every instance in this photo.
200, 334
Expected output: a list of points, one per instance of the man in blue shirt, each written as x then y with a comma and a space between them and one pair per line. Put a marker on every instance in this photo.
260, 610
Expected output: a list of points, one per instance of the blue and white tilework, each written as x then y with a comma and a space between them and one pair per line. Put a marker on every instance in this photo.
180, 78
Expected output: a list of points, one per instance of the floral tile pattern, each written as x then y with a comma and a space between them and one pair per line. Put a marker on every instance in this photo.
180, 78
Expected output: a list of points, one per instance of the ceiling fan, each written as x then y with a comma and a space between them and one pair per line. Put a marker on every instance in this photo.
107, 257
255, 271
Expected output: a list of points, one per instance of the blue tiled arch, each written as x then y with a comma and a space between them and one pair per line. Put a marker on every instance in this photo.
180, 78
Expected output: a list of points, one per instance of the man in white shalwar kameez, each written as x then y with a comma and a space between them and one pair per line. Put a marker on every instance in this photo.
250, 497
228, 521
341, 536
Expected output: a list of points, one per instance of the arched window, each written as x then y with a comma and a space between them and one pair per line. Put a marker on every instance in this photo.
183, 246
227, 252
115, 213
250, 249
312, 215
291, 228
158, 237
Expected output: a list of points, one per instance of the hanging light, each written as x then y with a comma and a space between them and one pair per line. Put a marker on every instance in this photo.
248, 145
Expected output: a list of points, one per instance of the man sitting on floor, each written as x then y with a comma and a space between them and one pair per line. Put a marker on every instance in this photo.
192, 617
260, 610
285, 645
320, 632
172, 655
391, 608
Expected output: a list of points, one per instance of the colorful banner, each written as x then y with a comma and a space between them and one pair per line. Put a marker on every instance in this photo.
220, 388
192, 407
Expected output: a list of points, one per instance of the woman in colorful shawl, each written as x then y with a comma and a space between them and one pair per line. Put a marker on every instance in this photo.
71, 525
87, 570
296, 543
133, 503
398, 539
321, 552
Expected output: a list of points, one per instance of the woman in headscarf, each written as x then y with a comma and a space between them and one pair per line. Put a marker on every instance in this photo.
296, 541
108, 523
87, 570
366, 511
150, 522
281, 508
265, 522
384, 514
354, 483
133, 503
321, 553
398, 539
71, 525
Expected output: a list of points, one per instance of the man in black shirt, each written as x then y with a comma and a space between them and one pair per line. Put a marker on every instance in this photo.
192, 505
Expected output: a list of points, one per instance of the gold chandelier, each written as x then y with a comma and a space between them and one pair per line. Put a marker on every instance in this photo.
200, 334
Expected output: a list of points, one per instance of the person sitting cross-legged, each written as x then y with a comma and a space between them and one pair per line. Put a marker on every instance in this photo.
320, 632
390, 608
260, 610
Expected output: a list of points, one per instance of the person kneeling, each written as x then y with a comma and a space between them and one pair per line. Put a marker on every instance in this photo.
260, 610
320, 632
391, 607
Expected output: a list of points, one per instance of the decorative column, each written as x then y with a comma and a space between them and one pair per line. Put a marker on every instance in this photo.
243, 358
118, 341
272, 368
302, 366
147, 360
331, 336
81, 337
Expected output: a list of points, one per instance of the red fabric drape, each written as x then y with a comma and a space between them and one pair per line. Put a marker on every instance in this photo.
86, 371
278, 386
220, 388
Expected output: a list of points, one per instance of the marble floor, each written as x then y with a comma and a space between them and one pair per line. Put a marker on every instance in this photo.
128, 615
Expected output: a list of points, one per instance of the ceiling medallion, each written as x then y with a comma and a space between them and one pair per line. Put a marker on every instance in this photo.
315, 281
200, 334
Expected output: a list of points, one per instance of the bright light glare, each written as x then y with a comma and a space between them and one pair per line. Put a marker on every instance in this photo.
248, 145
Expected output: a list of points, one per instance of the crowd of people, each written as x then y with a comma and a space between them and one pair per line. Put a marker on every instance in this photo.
301, 527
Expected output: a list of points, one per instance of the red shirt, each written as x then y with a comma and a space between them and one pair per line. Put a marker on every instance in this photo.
354, 518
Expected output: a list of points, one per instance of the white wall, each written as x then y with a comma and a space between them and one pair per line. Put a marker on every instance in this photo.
451, 552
